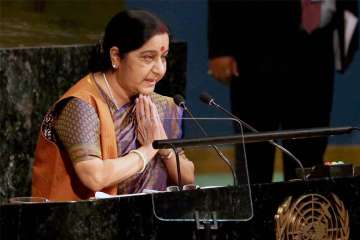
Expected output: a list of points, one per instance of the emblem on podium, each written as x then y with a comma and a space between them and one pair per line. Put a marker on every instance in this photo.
314, 217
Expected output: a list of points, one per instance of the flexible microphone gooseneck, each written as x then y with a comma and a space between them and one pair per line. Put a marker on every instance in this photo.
206, 98
179, 100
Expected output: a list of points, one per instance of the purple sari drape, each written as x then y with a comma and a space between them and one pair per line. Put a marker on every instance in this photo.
155, 176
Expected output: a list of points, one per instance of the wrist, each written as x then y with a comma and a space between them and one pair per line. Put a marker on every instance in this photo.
149, 150
142, 157
166, 153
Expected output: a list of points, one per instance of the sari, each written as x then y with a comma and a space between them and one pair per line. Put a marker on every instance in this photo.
155, 176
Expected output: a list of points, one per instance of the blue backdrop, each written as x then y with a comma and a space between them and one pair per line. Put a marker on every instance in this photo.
188, 22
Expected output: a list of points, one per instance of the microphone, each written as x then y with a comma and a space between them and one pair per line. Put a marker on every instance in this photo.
206, 98
180, 101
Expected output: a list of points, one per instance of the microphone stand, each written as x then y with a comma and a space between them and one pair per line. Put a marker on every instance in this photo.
221, 155
212, 102
206, 98
178, 167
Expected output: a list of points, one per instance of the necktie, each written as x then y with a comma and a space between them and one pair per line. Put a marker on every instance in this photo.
311, 10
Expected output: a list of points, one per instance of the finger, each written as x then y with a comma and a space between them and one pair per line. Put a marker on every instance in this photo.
141, 136
153, 111
161, 134
154, 119
140, 130
141, 107
147, 107
157, 116
137, 108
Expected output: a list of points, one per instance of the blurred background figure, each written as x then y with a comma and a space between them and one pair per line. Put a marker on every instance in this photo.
279, 59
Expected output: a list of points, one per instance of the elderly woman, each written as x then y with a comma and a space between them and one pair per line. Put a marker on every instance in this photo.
98, 136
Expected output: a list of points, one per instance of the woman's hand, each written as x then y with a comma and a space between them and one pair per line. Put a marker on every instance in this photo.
149, 125
150, 128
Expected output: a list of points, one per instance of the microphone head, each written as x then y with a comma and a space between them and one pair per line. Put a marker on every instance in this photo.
206, 98
179, 100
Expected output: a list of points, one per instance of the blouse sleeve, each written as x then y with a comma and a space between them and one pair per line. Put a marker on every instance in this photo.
77, 128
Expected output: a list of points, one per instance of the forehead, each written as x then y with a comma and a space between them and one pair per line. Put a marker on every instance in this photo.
159, 42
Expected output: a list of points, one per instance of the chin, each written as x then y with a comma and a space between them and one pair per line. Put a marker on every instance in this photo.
147, 91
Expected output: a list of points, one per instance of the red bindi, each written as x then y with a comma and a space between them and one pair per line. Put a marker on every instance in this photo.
163, 28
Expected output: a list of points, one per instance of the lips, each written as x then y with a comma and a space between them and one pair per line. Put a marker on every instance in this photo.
150, 81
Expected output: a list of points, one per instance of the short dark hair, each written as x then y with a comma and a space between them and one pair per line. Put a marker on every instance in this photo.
127, 30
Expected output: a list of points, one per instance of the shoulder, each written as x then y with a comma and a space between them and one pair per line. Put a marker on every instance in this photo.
76, 105
87, 90
82, 88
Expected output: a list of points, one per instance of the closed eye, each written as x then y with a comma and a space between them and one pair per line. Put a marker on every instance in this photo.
148, 58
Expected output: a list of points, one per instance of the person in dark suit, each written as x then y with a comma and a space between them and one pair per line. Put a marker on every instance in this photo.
280, 66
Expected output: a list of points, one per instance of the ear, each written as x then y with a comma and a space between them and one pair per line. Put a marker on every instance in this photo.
115, 57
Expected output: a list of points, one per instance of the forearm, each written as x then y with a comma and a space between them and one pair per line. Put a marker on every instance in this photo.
97, 174
186, 169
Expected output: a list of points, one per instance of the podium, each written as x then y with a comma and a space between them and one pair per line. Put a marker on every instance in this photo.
320, 208
136, 217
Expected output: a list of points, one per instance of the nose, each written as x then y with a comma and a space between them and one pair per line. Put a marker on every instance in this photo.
159, 67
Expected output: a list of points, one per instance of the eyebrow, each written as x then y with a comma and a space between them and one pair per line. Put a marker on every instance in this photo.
154, 51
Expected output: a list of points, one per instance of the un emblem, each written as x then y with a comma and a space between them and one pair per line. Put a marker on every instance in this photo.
312, 217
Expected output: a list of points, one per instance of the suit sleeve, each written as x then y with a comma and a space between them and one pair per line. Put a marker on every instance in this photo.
350, 7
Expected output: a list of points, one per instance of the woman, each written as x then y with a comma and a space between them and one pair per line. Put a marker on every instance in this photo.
98, 136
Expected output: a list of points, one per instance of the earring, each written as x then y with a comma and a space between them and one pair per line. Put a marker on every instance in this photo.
114, 66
